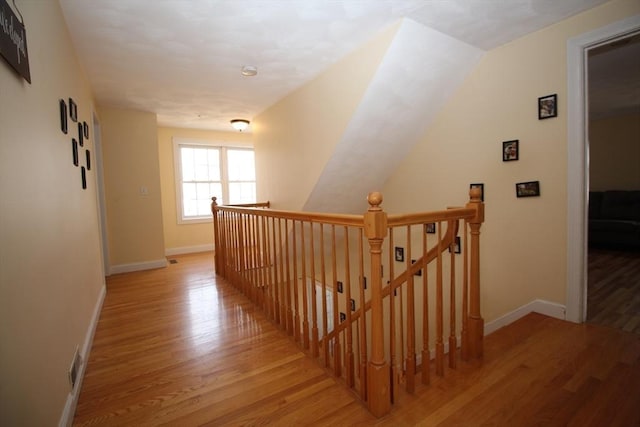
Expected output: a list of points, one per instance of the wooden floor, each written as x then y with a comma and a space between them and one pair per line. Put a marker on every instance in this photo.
614, 289
177, 347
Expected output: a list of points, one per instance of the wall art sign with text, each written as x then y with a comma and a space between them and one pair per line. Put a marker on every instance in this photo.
13, 41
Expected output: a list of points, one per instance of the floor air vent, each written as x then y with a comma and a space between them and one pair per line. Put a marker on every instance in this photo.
75, 367
173, 261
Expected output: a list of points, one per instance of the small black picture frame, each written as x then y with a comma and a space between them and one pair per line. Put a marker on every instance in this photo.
399, 254
481, 187
456, 247
419, 272
343, 317
85, 128
88, 156
353, 304
74, 148
547, 107
63, 116
430, 228
73, 110
528, 189
510, 150
339, 287
80, 135
83, 173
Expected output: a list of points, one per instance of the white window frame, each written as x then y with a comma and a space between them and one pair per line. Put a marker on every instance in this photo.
177, 163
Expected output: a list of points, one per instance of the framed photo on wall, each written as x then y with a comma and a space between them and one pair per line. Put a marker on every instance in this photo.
510, 150
528, 189
547, 107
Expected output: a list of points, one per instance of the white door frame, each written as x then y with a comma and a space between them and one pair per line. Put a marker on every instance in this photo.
102, 204
578, 158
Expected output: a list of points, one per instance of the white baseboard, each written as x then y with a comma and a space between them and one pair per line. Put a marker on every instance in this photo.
72, 399
547, 308
189, 249
138, 266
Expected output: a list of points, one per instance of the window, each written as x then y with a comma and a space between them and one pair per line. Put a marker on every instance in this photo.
205, 170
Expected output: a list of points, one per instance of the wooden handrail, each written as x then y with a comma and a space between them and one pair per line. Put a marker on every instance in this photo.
272, 256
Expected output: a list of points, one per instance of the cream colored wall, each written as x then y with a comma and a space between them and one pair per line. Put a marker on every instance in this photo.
523, 240
50, 254
295, 137
130, 153
185, 237
614, 153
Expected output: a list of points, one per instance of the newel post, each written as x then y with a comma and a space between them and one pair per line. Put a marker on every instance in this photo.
475, 320
218, 250
378, 371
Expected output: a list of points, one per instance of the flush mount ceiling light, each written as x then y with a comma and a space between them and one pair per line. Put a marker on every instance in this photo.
249, 70
240, 124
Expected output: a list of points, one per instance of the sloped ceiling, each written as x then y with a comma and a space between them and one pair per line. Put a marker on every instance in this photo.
420, 70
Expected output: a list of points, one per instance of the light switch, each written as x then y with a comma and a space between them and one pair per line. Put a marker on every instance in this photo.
144, 191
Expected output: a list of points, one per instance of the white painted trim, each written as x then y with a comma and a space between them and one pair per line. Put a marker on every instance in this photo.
547, 308
138, 266
578, 162
72, 399
189, 249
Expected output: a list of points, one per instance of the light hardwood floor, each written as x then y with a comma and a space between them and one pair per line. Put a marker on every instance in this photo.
177, 346
614, 289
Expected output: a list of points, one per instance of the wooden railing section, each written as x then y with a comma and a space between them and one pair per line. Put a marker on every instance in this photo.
374, 317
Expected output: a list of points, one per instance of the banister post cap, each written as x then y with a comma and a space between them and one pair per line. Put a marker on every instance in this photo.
475, 194
375, 200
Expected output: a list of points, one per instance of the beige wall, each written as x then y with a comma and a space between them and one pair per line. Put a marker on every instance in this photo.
50, 255
185, 237
523, 240
131, 163
614, 153
295, 137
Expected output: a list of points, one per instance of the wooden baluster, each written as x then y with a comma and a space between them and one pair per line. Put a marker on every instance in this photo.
375, 223
314, 305
288, 279
296, 306
411, 324
453, 344
323, 279
336, 320
305, 299
276, 277
282, 283
363, 321
476, 322
242, 249
266, 265
426, 354
349, 374
216, 238
439, 313
255, 295
392, 318
464, 335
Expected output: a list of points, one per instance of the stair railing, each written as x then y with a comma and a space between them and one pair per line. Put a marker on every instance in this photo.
346, 306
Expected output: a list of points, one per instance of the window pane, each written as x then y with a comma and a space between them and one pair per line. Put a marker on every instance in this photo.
187, 163
242, 192
201, 164
213, 158
241, 165
189, 199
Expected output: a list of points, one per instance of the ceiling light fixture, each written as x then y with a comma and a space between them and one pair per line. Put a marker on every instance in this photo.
249, 70
240, 124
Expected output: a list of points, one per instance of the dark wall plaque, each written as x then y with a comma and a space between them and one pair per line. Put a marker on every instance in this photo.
13, 41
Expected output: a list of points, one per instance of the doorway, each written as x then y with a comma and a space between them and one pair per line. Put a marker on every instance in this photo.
578, 158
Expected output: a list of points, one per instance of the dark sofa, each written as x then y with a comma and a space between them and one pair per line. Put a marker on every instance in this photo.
614, 218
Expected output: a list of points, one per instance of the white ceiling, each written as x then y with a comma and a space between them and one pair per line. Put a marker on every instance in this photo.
181, 59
